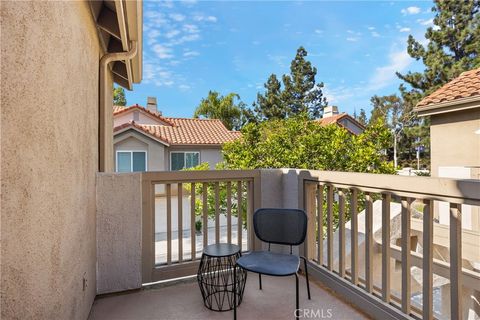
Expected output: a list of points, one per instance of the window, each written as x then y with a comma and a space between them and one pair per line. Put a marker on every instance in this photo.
131, 161
183, 160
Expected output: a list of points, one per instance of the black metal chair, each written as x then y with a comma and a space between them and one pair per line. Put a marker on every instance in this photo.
277, 226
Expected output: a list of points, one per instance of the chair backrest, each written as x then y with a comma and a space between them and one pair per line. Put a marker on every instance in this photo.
280, 226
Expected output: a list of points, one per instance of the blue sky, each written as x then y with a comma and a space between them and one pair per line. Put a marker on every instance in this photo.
191, 47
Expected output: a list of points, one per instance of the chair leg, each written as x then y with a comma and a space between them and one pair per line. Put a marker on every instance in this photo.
297, 303
306, 277
260, 280
235, 292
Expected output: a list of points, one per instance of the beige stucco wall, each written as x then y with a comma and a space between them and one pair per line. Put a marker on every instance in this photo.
49, 119
132, 140
119, 232
453, 140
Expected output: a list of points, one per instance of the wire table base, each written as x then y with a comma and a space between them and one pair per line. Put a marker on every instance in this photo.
215, 277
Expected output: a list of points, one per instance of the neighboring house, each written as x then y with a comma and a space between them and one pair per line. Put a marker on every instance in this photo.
58, 66
454, 112
144, 140
344, 120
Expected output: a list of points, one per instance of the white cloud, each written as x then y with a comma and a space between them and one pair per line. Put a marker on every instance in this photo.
411, 10
375, 34
424, 22
200, 17
371, 28
162, 52
352, 39
172, 33
318, 31
191, 53
383, 76
184, 87
177, 17
166, 3
190, 28
404, 29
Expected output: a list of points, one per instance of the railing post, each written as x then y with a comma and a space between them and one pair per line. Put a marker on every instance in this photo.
309, 193
368, 243
205, 213
427, 260
148, 229
169, 224
180, 221
320, 223
386, 247
341, 233
354, 235
455, 261
193, 241
330, 227
406, 257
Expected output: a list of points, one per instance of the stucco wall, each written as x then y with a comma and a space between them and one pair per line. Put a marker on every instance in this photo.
49, 158
132, 140
119, 232
453, 140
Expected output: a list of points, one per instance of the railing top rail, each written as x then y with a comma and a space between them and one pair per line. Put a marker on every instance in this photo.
442, 189
199, 176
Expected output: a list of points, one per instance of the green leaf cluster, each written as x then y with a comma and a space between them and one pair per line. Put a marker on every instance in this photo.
298, 142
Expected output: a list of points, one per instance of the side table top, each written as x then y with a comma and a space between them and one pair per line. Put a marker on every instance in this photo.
221, 250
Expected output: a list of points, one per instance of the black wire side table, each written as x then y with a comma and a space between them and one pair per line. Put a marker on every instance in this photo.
216, 277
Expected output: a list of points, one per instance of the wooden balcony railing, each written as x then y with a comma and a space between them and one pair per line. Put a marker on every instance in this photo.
370, 261
327, 194
199, 193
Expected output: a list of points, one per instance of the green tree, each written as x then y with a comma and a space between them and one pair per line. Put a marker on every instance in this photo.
453, 46
300, 92
215, 106
362, 117
298, 142
270, 104
119, 97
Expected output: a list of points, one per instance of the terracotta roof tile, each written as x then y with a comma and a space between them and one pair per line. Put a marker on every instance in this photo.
336, 118
122, 109
466, 85
187, 131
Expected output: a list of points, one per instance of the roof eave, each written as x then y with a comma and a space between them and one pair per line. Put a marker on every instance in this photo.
448, 106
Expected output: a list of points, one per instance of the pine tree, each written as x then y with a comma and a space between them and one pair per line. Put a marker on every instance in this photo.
362, 118
453, 47
270, 104
299, 94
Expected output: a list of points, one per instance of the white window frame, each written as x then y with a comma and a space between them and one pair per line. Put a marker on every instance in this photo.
131, 159
184, 158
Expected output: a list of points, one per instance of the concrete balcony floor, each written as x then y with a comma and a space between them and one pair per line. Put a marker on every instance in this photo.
184, 301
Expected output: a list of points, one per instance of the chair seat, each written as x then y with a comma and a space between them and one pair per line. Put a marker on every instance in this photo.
270, 263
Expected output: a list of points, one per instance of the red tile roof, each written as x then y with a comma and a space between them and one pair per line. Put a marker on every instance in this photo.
122, 109
336, 118
466, 85
186, 131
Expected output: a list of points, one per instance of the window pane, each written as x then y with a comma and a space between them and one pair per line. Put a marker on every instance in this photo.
139, 161
123, 162
192, 159
178, 161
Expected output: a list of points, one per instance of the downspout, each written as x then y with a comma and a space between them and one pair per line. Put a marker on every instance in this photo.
105, 118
